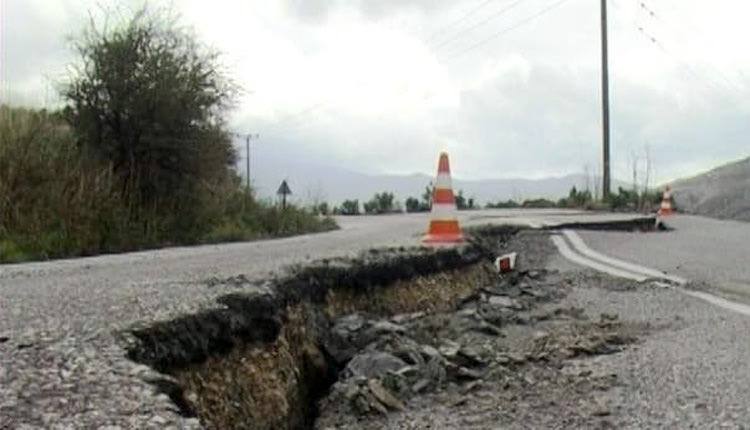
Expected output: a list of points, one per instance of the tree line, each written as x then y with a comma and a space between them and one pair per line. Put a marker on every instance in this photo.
384, 202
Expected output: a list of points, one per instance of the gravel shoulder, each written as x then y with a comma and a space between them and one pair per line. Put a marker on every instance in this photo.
691, 374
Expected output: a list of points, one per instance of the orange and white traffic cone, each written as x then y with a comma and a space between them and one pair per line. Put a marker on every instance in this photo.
444, 226
666, 203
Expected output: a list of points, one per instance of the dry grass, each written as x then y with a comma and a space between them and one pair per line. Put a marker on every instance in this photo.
257, 387
55, 201
434, 293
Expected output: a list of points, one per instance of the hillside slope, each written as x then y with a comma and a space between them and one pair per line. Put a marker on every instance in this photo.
723, 192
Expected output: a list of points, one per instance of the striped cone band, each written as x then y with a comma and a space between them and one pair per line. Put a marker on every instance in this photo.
444, 231
443, 212
443, 181
666, 203
443, 165
443, 196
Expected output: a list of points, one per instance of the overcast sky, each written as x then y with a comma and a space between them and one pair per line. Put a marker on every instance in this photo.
511, 88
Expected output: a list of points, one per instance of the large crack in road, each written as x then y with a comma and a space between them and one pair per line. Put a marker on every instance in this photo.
399, 338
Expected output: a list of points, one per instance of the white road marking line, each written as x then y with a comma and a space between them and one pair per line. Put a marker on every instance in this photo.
642, 271
581, 247
568, 253
718, 301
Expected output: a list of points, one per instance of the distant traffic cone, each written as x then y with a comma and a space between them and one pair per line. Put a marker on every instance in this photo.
444, 226
666, 203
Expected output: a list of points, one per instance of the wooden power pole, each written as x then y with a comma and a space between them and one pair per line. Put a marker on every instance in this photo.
247, 158
605, 105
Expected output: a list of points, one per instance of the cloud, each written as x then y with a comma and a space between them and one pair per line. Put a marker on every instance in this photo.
529, 121
367, 84
317, 11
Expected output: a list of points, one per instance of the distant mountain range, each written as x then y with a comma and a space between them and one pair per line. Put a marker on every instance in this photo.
723, 192
311, 182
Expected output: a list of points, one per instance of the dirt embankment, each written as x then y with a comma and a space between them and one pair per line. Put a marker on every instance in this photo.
407, 338
719, 193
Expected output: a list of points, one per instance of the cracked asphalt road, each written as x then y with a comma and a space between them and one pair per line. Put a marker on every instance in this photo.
63, 365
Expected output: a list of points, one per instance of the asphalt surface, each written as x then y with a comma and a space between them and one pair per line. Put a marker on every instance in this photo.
63, 365
709, 251
117, 290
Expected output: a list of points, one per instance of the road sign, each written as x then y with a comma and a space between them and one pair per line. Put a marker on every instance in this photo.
283, 191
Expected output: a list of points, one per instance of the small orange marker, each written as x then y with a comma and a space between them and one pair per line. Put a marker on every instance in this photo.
444, 226
666, 203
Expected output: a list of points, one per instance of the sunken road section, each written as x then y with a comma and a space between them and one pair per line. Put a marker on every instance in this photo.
263, 360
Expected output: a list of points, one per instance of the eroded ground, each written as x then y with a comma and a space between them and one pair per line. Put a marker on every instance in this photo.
511, 353
406, 339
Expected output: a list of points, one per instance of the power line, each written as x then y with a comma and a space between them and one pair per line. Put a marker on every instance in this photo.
644, 33
461, 19
681, 36
689, 67
657, 42
480, 23
304, 112
508, 29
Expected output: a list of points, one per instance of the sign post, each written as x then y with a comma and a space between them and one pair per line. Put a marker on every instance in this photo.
283, 192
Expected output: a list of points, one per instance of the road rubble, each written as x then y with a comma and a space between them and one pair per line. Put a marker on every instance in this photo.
505, 357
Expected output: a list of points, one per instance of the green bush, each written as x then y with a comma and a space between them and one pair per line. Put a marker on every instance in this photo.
10, 252
414, 205
321, 208
538, 203
148, 100
350, 207
508, 204
462, 203
380, 203
623, 200
245, 217
577, 199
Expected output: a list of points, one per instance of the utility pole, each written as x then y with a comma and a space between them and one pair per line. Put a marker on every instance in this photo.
247, 157
605, 104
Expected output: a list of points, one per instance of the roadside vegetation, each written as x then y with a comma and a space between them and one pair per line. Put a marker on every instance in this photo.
622, 201
139, 157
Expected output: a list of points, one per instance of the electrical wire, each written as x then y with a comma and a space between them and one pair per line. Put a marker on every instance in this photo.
681, 38
479, 24
506, 30
443, 30
656, 42
296, 117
